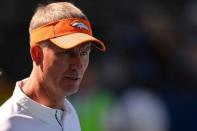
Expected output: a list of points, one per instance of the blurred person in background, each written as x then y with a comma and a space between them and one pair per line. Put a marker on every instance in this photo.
60, 45
138, 109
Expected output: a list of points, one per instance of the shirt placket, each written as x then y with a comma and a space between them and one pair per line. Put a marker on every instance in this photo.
58, 117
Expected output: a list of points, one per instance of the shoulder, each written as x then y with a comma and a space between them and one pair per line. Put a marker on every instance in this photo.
13, 117
14, 122
8, 108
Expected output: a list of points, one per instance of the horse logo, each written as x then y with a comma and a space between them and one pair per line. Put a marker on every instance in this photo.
80, 25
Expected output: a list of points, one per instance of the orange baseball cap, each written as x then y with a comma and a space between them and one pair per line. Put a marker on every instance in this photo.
66, 33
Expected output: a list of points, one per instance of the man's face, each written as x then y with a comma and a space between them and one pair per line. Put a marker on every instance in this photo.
62, 69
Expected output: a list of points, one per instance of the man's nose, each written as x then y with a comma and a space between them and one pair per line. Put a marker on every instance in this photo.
75, 62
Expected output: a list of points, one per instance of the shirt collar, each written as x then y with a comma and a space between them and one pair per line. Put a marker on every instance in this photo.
42, 112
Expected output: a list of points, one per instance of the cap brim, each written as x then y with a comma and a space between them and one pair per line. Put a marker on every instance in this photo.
75, 39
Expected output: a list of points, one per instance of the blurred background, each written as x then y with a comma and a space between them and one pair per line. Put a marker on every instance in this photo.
146, 81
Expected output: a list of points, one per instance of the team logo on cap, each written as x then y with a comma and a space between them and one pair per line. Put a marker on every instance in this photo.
80, 25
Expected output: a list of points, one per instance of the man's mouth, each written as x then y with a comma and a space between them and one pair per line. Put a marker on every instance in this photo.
74, 78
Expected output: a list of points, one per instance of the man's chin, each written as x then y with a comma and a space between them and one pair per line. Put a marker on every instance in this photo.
71, 89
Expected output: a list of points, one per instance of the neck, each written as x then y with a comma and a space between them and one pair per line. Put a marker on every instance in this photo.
35, 89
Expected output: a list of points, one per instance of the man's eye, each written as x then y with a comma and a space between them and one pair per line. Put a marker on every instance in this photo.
84, 53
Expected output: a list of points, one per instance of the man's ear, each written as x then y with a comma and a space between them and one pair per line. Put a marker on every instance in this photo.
36, 54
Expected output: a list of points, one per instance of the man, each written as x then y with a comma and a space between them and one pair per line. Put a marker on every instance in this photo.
60, 40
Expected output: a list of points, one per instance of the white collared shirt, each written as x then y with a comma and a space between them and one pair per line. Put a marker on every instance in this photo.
20, 113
